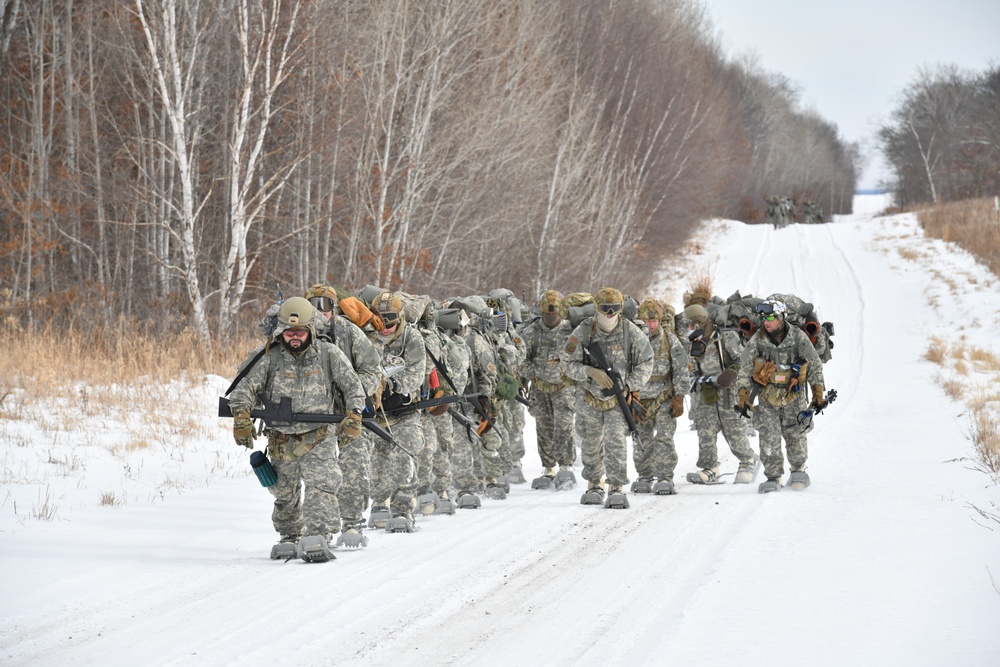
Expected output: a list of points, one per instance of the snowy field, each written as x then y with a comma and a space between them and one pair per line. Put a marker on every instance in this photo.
884, 560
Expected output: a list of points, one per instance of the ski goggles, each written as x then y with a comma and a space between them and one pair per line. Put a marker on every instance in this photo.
323, 304
389, 318
769, 317
610, 308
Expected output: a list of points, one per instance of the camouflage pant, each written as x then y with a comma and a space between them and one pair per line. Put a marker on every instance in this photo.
605, 448
516, 431
495, 466
441, 465
772, 425
553, 415
425, 462
709, 420
355, 464
393, 475
315, 512
463, 463
655, 454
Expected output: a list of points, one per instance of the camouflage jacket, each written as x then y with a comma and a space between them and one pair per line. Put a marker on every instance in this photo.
634, 368
795, 348
543, 347
669, 376
456, 361
722, 350
353, 342
319, 379
406, 348
482, 363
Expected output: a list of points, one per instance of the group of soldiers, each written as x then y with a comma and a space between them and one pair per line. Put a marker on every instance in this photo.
781, 211
415, 406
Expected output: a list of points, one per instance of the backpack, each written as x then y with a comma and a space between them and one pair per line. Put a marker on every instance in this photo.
578, 306
803, 315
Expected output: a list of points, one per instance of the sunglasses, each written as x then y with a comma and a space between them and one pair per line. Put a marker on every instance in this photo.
389, 318
323, 304
297, 333
610, 308
769, 318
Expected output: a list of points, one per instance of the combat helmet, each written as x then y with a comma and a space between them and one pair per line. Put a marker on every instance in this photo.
296, 313
322, 297
389, 307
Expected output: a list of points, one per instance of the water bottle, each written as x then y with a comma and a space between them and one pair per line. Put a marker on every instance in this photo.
263, 469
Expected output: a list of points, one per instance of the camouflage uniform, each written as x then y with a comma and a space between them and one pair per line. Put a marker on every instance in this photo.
467, 456
712, 406
394, 479
601, 421
509, 348
456, 363
776, 414
319, 379
655, 455
552, 395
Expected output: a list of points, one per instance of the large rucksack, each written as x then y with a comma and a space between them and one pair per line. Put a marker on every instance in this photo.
803, 315
578, 306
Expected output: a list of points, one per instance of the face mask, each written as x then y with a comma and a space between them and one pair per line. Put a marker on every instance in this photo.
607, 322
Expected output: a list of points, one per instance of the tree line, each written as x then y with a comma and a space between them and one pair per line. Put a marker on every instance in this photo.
942, 139
172, 162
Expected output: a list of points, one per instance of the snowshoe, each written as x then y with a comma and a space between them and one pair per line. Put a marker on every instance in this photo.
352, 538
427, 502
747, 472
444, 505
315, 549
469, 501
504, 481
379, 517
285, 549
516, 475
617, 500
401, 523
664, 487
543, 482
642, 485
593, 496
769, 486
706, 476
798, 480
496, 491
565, 479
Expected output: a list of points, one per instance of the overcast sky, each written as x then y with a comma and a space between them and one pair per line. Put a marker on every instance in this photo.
851, 58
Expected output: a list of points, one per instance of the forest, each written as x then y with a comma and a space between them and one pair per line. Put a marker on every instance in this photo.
174, 163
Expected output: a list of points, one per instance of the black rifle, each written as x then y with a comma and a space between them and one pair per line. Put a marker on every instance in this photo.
280, 414
596, 354
427, 403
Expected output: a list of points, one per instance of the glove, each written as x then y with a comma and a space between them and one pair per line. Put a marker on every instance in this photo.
818, 394
601, 377
677, 407
243, 429
763, 376
743, 401
350, 426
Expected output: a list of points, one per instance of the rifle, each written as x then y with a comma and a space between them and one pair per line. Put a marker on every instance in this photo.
280, 414
596, 353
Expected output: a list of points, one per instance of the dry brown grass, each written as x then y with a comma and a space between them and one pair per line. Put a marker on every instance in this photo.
937, 351
973, 225
70, 363
985, 434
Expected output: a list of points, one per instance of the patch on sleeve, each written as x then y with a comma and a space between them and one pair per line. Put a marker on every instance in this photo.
571, 344
490, 368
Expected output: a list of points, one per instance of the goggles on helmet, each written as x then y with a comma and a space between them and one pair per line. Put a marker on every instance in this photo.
770, 307
323, 304
610, 308
389, 318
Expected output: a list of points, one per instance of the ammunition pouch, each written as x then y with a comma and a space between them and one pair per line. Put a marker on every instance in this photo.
290, 447
709, 393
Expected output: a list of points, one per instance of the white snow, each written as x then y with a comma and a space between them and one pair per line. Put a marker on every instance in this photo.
884, 560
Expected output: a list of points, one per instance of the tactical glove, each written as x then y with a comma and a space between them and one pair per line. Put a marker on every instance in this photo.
350, 427
677, 407
743, 402
243, 429
601, 377
818, 395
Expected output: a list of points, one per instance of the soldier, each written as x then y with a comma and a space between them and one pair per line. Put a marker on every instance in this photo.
355, 454
603, 424
509, 349
711, 354
662, 398
318, 378
779, 361
552, 395
402, 351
